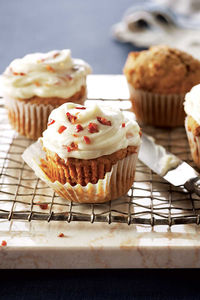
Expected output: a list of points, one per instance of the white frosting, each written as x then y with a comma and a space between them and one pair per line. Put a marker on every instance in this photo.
168, 162
192, 103
53, 74
122, 132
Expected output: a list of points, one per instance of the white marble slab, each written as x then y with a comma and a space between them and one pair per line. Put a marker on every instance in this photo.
37, 245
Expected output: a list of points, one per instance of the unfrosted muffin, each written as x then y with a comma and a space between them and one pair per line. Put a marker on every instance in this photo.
91, 152
158, 80
37, 83
192, 122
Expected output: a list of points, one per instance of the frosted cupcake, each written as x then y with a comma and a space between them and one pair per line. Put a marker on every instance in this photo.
90, 152
158, 80
37, 83
192, 122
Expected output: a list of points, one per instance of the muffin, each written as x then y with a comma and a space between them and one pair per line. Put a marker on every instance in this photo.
192, 122
90, 152
158, 80
37, 83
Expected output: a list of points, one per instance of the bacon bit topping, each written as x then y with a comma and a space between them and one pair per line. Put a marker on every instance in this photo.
49, 68
61, 129
3, 243
93, 127
55, 55
37, 83
72, 147
104, 121
79, 127
71, 118
21, 74
42, 205
51, 122
81, 107
123, 125
61, 235
75, 135
87, 140
140, 132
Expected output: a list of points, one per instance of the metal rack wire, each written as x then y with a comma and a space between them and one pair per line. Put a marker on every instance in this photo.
151, 200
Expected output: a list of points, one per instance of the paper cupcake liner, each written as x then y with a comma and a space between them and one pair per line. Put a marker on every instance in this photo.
30, 119
116, 183
157, 109
194, 142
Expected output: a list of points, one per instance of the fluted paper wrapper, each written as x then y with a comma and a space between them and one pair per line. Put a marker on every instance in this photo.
157, 109
116, 183
194, 142
30, 119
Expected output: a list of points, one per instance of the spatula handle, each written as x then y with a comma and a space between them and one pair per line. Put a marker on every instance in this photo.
192, 186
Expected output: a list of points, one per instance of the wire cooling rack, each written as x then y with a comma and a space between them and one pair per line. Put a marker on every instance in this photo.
150, 201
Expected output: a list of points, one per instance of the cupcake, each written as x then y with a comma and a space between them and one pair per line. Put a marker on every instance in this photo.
192, 122
37, 83
90, 152
158, 80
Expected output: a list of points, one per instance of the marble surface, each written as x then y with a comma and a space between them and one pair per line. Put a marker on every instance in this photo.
38, 245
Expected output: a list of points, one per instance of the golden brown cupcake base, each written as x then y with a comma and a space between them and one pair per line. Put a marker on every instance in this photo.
157, 109
79, 171
193, 134
30, 116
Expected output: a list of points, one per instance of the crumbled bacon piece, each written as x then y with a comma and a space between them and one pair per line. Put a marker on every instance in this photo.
104, 121
61, 129
123, 125
87, 140
71, 118
49, 68
42, 205
16, 73
3, 243
37, 83
72, 147
61, 235
55, 55
80, 107
68, 149
75, 135
51, 121
140, 132
93, 127
79, 127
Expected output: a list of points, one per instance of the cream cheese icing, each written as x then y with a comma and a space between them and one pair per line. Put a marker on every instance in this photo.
52, 74
90, 131
192, 103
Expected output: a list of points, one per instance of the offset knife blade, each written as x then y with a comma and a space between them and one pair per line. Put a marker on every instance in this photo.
167, 165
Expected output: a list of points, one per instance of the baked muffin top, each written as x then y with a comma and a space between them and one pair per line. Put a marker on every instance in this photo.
162, 70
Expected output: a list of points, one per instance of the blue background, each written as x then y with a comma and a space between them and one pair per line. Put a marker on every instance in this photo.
84, 26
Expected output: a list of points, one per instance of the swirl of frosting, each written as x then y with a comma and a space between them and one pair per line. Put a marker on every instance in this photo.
88, 132
53, 74
192, 103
